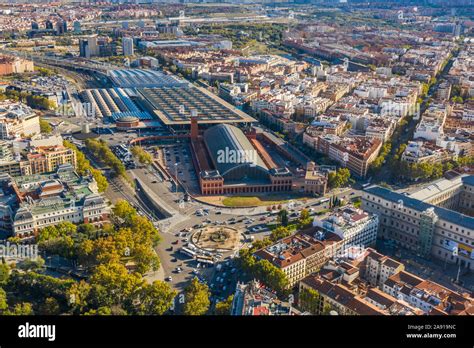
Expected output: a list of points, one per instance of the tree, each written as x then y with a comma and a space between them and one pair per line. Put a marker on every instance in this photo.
104, 310
465, 161
381, 158
82, 163
327, 308
154, 299
77, 296
87, 229
38, 102
45, 127
23, 308
305, 219
124, 210
4, 273
101, 180
50, 306
283, 217
101, 151
262, 243
31, 264
143, 156
339, 178
224, 307
272, 276
457, 99
64, 228
3, 300
111, 284
279, 233
309, 300
197, 298
146, 258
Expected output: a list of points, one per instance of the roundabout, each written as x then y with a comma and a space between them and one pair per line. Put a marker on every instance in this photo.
216, 238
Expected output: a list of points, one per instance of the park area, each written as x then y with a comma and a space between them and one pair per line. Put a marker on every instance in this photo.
250, 201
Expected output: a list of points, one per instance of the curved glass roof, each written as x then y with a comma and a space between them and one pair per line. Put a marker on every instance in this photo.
230, 149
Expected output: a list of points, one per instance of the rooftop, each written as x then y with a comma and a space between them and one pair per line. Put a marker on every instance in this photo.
409, 202
129, 78
174, 105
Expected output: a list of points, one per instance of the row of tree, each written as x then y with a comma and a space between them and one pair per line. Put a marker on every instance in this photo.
381, 158
33, 101
83, 166
102, 153
143, 156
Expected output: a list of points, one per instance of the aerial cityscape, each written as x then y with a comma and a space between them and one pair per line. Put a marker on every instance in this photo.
240, 158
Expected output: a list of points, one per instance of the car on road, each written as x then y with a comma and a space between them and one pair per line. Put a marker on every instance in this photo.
169, 279
218, 212
179, 269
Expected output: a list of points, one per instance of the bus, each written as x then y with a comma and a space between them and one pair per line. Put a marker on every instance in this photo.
188, 252
205, 259
324, 200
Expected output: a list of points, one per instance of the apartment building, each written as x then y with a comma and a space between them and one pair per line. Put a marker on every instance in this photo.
301, 254
46, 159
354, 226
14, 65
342, 288
356, 153
308, 250
254, 298
127, 46
378, 268
428, 296
17, 119
37, 155
349, 286
420, 152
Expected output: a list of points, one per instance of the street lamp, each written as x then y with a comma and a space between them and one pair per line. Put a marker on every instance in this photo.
176, 177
